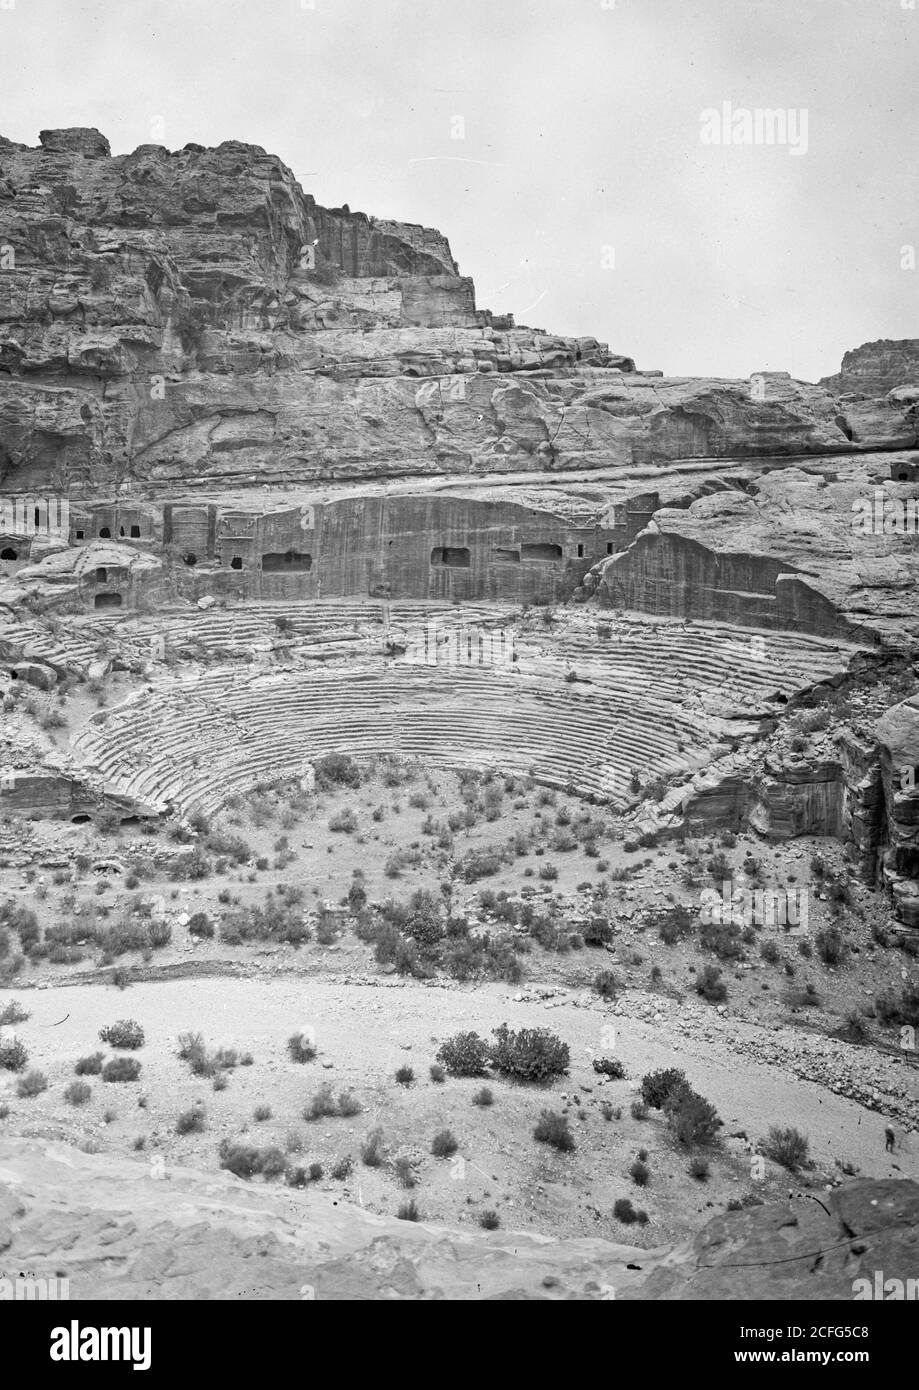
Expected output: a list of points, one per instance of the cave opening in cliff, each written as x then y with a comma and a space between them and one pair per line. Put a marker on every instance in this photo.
107, 601
539, 550
236, 563
190, 559
457, 557
101, 575
79, 535
291, 562
9, 554
104, 533
135, 533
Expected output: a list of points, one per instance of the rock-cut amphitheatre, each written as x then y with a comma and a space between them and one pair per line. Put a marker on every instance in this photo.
277, 498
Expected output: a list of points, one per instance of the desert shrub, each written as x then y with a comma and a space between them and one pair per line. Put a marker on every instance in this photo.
699, 1168
342, 1168
552, 1128
607, 984
465, 1054
719, 866
78, 1093
408, 1211
242, 1160
13, 1054
273, 1163
658, 1086
692, 1119
121, 1069
32, 1084
89, 1066
300, 1048
626, 1213
640, 1173
405, 1076
529, 1054
314, 1172
597, 932
609, 1066
725, 939
261, 1113
852, 1029
437, 1073
191, 1121
348, 1104
404, 1171
344, 822
484, 1097
710, 984
201, 925
444, 1144
336, 770
372, 1153
673, 923
13, 1013
321, 1105
786, 1146
770, 952
125, 1033
639, 1110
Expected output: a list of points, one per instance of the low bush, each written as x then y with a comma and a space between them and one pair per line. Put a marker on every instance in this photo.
786, 1146
658, 1086
552, 1128
32, 1084
444, 1145
609, 1066
13, 1054
191, 1121
121, 1069
89, 1066
626, 1213
126, 1033
529, 1054
640, 1173
78, 1093
300, 1048
465, 1054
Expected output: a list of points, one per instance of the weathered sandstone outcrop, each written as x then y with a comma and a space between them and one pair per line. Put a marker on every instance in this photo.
192, 1236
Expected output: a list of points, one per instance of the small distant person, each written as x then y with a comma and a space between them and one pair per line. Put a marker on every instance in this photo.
889, 1139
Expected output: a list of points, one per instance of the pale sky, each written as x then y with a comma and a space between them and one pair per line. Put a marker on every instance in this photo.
581, 146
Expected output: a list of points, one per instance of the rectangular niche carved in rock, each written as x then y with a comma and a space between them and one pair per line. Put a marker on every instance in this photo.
540, 551
453, 556
107, 601
291, 562
512, 555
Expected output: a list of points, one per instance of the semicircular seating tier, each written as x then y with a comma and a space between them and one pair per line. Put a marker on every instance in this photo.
572, 710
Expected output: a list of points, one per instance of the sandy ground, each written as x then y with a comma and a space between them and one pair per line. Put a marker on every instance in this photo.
364, 1033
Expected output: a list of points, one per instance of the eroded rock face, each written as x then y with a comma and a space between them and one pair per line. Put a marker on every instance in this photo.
797, 549
167, 317
898, 739
195, 1235
876, 368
